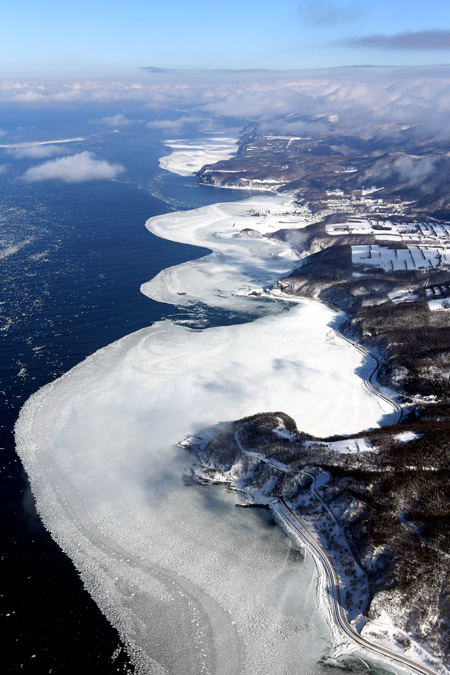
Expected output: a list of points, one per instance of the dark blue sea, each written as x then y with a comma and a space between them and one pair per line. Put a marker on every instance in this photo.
72, 257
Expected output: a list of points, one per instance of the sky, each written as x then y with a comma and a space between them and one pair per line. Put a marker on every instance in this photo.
376, 66
117, 39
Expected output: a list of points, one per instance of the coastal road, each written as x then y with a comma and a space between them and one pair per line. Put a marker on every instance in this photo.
296, 523
369, 382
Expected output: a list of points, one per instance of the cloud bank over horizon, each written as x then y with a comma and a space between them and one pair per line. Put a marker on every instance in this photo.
365, 100
176, 126
74, 169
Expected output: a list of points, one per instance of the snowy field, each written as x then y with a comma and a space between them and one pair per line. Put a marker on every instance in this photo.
192, 585
188, 156
387, 230
439, 305
410, 258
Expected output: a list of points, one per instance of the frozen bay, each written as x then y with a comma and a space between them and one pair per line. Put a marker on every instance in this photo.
191, 584
189, 156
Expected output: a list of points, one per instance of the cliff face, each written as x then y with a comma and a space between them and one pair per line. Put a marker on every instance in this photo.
381, 513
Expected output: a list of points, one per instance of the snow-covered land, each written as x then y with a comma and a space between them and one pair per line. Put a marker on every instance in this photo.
352, 445
267, 461
406, 436
388, 230
188, 156
410, 258
439, 305
181, 575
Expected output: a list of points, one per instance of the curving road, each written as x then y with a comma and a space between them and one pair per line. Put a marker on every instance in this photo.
294, 522
369, 382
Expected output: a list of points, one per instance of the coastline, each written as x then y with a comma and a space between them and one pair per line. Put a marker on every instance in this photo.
385, 397
254, 476
174, 281
66, 476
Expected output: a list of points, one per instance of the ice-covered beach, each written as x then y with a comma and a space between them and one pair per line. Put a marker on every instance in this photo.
192, 585
188, 156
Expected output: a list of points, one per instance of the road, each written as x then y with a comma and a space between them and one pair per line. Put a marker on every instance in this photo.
295, 522
369, 381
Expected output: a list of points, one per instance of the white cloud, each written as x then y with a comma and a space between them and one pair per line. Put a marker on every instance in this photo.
35, 151
415, 170
412, 170
367, 100
74, 169
115, 121
2, 132
329, 13
3, 168
178, 124
166, 125
199, 122
422, 39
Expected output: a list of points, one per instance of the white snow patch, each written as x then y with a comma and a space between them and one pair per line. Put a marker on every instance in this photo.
383, 631
387, 230
439, 304
284, 138
407, 436
351, 445
403, 296
410, 258
283, 432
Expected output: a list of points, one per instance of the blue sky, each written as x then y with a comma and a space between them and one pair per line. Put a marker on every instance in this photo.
114, 38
